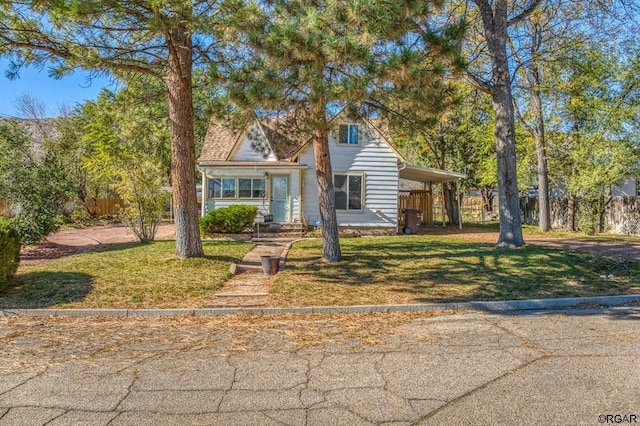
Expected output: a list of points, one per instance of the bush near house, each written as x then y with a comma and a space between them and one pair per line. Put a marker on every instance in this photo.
9, 251
229, 220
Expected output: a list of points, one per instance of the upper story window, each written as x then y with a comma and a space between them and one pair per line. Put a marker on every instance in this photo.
348, 134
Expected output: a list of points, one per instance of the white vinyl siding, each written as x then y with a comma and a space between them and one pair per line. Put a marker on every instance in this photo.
373, 159
252, 147
256, 176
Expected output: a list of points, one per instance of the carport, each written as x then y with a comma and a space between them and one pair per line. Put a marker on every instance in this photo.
422, 199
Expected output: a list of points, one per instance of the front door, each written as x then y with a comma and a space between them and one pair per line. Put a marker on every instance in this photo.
280, 198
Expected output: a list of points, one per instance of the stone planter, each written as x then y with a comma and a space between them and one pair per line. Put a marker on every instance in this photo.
270, 264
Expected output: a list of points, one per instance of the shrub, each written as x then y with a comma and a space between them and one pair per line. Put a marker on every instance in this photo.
229, 220
588, 215
37, 186
9, 251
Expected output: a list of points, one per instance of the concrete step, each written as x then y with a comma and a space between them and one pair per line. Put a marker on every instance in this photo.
274, 229
240, 294
276, 236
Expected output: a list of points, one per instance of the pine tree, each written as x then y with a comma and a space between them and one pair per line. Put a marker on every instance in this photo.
311, 59
165, 40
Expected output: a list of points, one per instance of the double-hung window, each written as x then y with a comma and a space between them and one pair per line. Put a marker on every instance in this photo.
348, 189
222, 188
237, 188
348, 134
251, 188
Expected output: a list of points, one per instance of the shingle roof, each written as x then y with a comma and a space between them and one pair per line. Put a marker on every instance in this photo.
382, 126
218, 142
284, 135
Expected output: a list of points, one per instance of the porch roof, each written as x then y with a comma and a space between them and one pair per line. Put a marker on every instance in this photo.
252, 164
427, 174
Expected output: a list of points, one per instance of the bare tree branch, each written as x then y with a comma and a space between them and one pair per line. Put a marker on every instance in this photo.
524, 14
479, 83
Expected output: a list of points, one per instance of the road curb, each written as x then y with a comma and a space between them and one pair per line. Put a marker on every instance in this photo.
487, 306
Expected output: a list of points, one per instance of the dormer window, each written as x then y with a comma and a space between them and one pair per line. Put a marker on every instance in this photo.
348, 134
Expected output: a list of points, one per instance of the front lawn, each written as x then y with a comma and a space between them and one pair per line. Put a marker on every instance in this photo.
532, 230
125, 276
423, 268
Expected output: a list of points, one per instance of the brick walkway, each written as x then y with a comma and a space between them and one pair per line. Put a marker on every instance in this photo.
249, 287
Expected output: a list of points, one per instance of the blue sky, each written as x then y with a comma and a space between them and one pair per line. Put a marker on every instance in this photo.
69, 90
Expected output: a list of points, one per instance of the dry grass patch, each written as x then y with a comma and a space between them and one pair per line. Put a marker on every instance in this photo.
420, 269
125, 276
53, 340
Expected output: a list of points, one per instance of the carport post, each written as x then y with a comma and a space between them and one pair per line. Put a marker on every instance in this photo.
459, 207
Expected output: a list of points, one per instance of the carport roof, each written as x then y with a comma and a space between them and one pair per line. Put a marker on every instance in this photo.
427, 174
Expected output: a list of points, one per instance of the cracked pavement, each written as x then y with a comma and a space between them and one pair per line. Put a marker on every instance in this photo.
351, 369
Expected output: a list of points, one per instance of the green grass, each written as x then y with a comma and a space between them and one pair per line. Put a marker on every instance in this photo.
125, 276
421, 269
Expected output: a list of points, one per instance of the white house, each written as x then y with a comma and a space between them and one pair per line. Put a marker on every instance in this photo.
272, 167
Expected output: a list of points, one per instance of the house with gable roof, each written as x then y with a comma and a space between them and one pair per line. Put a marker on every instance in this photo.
271, 166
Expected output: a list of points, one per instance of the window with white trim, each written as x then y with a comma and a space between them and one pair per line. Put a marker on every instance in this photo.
348, 134
251, 188
237, 188
222, 188
348, 190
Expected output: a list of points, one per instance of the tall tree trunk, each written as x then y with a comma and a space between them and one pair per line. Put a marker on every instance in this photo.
183, 155
330, 237
449, 191
572, 212
487, 199
495, 28
544, 224
508, 196
532, 82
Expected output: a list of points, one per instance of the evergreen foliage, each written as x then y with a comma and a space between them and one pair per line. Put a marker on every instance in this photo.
228, 220
310, 59
34, 181
9, 251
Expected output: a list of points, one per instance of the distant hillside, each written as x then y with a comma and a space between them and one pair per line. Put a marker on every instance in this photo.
38, 130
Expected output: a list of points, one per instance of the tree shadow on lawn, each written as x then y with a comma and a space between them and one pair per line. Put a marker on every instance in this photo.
118, 247
438, 271
45, 289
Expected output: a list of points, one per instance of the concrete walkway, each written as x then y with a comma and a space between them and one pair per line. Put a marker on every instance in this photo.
249, 286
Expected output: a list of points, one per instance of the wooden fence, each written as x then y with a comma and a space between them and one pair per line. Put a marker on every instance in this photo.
96, 206
5, 208
104, 206
416, 200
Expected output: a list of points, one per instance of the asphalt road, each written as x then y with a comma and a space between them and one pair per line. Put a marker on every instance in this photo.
395, 369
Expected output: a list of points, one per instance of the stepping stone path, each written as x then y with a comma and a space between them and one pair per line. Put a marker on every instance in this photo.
249, 286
